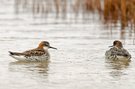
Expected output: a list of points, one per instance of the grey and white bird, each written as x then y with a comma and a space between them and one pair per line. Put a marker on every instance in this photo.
117, 52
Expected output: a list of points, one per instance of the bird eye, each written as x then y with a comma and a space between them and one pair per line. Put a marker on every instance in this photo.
46, 44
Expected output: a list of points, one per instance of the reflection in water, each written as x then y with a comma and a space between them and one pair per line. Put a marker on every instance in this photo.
118, 65
117, 68
41, 7
61, 8
117, 33
36, 67
82, 8
72, 10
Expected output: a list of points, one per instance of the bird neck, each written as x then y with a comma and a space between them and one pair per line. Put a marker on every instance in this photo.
118, 47
40, 46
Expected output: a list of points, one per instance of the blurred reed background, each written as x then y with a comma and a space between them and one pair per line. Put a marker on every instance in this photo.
114, 12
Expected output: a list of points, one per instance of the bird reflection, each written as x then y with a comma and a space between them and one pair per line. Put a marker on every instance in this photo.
32, 67
118, 65
116, 68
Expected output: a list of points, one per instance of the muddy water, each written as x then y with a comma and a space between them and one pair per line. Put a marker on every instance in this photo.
78, 63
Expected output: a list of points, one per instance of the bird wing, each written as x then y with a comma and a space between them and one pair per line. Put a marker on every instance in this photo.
34, 52
16, 53
28, 53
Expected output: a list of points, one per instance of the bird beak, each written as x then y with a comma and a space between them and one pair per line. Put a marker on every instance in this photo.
111, 46
53, 47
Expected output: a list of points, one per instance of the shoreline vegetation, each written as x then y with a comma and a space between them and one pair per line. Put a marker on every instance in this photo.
109, 11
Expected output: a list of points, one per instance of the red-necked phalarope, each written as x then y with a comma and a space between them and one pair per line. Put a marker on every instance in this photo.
117, 52
38, 54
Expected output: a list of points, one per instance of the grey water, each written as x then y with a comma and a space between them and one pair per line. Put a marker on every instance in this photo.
79, 62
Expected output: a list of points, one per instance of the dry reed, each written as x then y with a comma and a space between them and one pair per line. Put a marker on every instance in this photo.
120, 10
114, 11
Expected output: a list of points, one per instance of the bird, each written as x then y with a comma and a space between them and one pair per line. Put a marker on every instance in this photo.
38, 54
117, 52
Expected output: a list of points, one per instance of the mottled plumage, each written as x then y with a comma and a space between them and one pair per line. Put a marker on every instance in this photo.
117, 52
114, 53
38, 54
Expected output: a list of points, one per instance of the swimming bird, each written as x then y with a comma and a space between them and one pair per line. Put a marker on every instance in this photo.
117, 52
38, 54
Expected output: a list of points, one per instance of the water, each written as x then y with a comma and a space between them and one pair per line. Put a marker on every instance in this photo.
78, 63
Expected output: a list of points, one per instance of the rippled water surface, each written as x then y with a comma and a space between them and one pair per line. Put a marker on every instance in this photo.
78, 63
